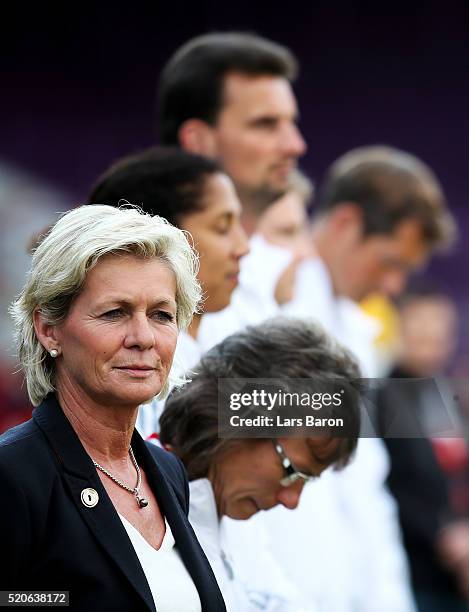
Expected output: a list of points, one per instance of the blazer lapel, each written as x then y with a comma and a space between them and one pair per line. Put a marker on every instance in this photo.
79, 473
186, 541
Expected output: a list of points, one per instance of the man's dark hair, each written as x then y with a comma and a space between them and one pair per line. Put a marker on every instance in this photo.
163, 181
280, 349
390, 186
191, 84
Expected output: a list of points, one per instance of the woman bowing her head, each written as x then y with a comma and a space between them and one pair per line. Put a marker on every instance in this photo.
94, 510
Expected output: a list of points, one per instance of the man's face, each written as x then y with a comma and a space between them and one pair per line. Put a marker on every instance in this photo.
256, 137
379, 262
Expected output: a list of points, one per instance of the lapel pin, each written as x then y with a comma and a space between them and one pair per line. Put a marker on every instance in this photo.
89, 498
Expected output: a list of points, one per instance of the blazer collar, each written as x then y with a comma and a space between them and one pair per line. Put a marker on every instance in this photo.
79, 473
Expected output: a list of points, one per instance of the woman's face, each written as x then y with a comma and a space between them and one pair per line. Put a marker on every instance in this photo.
118, 340
246, 479
219, 239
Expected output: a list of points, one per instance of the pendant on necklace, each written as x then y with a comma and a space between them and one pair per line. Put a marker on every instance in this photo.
141, 501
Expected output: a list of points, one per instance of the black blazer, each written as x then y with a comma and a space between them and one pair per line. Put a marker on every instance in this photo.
51, 541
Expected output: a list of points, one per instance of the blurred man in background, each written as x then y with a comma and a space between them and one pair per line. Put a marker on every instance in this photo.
229, 96
411, 407
380, 214
428, 323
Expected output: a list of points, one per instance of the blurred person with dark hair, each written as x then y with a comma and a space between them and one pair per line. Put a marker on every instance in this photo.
428, 326
239, 477
409, 411
228, 96
193, 193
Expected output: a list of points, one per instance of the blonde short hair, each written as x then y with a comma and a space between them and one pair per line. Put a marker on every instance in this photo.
62, 260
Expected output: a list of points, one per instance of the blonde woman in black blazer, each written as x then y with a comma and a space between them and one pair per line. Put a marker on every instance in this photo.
97, 325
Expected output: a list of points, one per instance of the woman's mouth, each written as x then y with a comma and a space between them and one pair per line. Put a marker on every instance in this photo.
137, 371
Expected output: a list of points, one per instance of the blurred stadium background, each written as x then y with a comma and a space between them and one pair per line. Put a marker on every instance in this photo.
79, 84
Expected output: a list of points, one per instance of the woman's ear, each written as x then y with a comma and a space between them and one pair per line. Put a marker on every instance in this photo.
45, 332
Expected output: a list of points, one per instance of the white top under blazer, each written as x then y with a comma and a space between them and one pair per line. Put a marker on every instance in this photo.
170, 583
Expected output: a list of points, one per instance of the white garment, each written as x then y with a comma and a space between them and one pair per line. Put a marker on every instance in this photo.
170, 583
266, 589
204, 519
310, 555
253, 300
188, 353
341, 317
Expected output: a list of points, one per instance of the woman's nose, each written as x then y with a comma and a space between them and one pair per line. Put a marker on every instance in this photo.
290, 496
140, 333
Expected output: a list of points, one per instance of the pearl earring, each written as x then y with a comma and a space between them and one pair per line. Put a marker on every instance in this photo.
53, 353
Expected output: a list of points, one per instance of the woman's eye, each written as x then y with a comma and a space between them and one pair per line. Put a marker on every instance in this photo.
163, 315
116, 313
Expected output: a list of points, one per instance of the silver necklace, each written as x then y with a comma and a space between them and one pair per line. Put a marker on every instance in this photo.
141, 501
